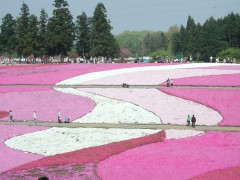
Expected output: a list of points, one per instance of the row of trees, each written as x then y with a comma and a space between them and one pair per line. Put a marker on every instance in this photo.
27, 35
195, 40
209, 39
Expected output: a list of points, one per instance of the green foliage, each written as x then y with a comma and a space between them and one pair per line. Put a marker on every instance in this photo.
60, 30
161, 53
230, 53
103, 42
133, 40
8, 37
83, 36
32, 38
42, 45
22, 30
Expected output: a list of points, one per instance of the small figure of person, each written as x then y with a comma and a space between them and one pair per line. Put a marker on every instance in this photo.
66, 119
59, 117
35, 117
168, 82
171, 82
193, 121
125, 85
10, 116
188, 120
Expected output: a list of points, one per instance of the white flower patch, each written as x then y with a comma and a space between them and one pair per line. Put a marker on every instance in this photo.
179, 134
60, 140
109, 110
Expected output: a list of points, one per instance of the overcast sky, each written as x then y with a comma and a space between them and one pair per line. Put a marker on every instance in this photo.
155, 15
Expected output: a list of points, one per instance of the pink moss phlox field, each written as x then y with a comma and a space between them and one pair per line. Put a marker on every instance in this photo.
3, 114
213, 80
225, 101
220, 174
11, 158
49, 74
46, 103
93, 154
86, 171
21, 89
174, 159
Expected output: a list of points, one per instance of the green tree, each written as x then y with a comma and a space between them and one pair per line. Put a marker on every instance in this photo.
8, 37
102, 39
83, 44
230, 53
42, 41
171, 37
154, 41
212, 39
22, 31
190, 38
60, 30
33, 36
232, 30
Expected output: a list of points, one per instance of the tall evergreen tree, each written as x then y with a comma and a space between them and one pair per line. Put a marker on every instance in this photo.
33, 36
190, 38
60, 30
42, 41
22, 31
102, 39
8, 37
83, 44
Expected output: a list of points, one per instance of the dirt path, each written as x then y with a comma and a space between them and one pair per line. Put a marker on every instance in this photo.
113, 86
125, 126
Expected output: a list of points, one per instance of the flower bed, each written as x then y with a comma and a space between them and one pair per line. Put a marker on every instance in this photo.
93, 154
169, 109
11, 158
47, 104
225, 101
174, 159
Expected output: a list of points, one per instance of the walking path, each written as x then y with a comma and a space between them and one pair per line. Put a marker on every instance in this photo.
125, 126
113, 86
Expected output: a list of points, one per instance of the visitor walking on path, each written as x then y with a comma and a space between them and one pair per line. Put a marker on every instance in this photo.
168, 82
35, 117
193, 121
10, 116
171, 82
188, 120
59, 117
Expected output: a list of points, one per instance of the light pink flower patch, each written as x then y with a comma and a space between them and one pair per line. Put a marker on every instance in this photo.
11, 158
46, 103
174, 159
225, 101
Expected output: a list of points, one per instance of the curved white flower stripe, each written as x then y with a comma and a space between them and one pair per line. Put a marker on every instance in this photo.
91, 77
171, 109
60, 140
113, 111
155, 77
179, 134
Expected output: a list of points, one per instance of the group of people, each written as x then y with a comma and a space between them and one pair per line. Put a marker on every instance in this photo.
67, 120
60, 119
189, 120
169, 82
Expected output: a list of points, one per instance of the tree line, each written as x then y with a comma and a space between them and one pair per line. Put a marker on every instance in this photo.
214, 38
29, 36
207, 40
